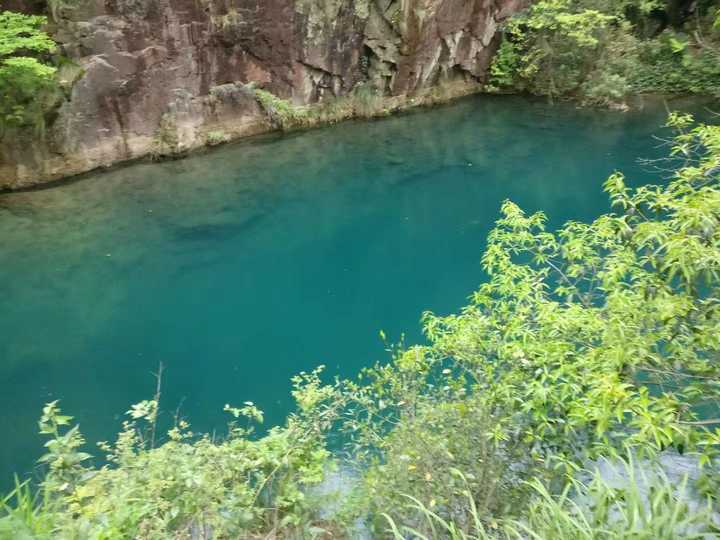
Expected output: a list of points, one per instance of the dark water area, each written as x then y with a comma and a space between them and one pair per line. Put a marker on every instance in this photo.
240, 267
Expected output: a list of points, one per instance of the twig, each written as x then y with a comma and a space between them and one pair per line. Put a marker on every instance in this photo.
701, 422
177, 412
158, 388
676, 373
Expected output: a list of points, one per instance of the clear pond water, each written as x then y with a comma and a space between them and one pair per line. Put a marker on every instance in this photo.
245, 265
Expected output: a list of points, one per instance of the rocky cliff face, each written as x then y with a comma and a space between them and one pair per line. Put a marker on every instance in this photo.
166, 76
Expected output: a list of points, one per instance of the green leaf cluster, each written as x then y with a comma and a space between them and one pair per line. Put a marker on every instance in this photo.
281, 112
237, 487
603, 52
24, 75
593, 341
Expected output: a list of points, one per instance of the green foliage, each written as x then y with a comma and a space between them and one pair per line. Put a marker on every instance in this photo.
166, 141
672, 63
215, 138
363, 102
604, 51
416, 429
237, 487
551, 46
281, 112
24, 77
25, 517
63, 456
505, 66
644, 509
20, 32
584, 341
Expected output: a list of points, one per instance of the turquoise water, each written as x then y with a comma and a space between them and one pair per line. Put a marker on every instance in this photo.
243, 266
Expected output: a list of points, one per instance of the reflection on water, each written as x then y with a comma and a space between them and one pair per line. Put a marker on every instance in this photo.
245, 265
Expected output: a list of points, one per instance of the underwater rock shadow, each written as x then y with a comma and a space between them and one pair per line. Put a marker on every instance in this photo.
438, 173
215, 232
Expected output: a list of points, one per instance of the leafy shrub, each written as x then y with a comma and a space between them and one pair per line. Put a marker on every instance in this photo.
363, 102
609, 81
551, 44
366, 102
584, 341
24, 78
671, 63
505, 66
604, 51
166, 141
233, 488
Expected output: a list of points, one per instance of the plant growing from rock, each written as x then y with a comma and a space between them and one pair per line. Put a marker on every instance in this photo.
26, 77
166, 141
58, 7
215, 138
281, 112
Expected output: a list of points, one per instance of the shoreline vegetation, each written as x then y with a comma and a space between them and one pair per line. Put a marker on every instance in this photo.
594, 343
601, 53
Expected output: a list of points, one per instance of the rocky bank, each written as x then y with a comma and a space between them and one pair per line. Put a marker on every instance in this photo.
161, 77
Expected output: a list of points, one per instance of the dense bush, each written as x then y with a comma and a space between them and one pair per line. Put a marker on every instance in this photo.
190, 485
674, 63
598, 341
603, 52
24, 76
592, 341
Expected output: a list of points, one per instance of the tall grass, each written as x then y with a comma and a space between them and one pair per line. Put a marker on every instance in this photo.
643, 509
23, 514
